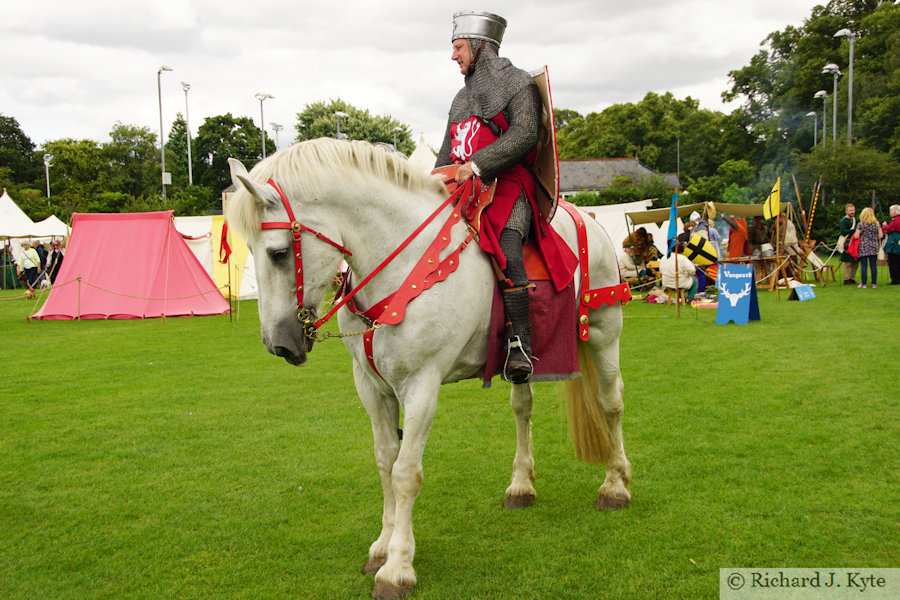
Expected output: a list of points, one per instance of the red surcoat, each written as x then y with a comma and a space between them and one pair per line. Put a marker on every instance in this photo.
470, 136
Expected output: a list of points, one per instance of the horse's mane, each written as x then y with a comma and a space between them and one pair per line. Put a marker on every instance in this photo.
307, 166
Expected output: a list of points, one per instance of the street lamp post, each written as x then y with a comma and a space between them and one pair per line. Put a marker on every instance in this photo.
187, 124
340, 114
262, 122
852, 37
162, 145
815, 117
396, 129
833, 69
47, 159
824, 96
276, 127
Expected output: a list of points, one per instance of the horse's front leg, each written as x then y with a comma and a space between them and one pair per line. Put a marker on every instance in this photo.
397, 578
520, 493
383, 410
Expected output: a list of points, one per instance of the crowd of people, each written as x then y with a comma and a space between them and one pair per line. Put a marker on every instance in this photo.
641, 263
863, 240
36, 263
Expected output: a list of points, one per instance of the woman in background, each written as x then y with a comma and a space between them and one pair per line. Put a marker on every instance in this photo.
869, 233
892, 247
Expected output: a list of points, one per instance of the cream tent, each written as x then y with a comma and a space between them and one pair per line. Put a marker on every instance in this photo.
615, 220
422, 157
203, 236
13, 220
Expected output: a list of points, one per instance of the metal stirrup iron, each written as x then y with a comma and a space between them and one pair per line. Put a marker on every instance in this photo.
517, 367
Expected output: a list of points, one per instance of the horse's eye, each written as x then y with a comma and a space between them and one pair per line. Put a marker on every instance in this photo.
276, 255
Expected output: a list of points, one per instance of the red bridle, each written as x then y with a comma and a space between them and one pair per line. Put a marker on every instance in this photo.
297, 229
304, 315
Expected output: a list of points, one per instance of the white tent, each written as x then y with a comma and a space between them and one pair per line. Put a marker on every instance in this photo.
51, 227
422, 157
13, 220
614, 219
16, 227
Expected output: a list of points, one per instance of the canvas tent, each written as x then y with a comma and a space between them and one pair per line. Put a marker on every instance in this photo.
613, 218
422, 157
130, 265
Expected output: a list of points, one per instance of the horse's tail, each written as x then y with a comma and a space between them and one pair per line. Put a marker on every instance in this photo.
587, 423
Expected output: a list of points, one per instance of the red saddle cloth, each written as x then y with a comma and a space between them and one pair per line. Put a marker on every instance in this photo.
554, 331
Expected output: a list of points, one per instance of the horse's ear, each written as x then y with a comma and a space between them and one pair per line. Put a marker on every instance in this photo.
240, 177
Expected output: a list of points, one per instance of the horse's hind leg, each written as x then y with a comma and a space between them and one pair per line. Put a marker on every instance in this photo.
520, 493
613, 494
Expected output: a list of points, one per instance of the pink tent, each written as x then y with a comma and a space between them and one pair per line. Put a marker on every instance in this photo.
130, 266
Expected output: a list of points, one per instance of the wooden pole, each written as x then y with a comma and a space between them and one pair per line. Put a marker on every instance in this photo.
799, 200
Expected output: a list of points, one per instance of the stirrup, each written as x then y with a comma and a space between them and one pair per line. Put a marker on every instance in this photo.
517, 367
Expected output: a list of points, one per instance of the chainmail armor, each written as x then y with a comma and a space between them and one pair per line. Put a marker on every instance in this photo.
494, 85
520, 217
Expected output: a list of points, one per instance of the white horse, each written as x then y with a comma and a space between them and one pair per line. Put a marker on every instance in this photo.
363, 200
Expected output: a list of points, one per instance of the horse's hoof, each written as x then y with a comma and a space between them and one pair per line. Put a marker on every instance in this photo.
611, 503
386, 591
523, 501
373, 565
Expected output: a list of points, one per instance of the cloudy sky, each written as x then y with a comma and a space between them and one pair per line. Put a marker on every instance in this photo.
73, 68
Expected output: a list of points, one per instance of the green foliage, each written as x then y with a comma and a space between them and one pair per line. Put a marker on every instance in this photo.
176, 152
318, 120
17, 161
623, 189
730, 180
221, 138
659, 130
78, 173
132, 160
851, 173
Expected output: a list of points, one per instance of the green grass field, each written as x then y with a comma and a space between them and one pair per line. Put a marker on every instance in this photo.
177, 459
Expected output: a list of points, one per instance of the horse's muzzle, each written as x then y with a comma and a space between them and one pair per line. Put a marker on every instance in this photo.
295, 358
288, 341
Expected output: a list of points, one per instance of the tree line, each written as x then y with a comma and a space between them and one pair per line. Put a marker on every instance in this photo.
124, 174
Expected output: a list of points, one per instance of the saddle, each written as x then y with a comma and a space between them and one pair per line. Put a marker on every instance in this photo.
554, 339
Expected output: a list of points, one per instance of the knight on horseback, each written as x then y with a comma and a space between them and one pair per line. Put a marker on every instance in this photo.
492, 133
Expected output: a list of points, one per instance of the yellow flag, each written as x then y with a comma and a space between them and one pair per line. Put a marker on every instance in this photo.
773, 202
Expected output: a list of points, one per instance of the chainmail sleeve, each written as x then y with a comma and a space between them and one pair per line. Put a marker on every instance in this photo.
524, 115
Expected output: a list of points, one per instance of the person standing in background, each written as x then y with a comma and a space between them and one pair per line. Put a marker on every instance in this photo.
869, 234
848, 227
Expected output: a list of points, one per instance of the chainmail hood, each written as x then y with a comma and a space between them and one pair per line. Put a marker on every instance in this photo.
492, 81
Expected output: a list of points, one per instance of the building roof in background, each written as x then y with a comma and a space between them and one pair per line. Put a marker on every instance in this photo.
595, 174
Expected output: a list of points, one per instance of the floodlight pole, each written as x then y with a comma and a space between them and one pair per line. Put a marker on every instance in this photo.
262, 122
162, 145
276, 127
339, 114
815, 117
187, 123
835, 71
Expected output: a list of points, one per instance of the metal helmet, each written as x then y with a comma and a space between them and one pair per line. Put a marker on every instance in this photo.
478, 25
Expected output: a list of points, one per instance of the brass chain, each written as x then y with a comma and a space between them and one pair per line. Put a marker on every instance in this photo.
309, 328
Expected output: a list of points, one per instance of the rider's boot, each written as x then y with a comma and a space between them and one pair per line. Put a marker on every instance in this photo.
518, 365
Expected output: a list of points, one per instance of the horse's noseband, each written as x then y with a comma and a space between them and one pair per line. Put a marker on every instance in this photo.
304, 314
